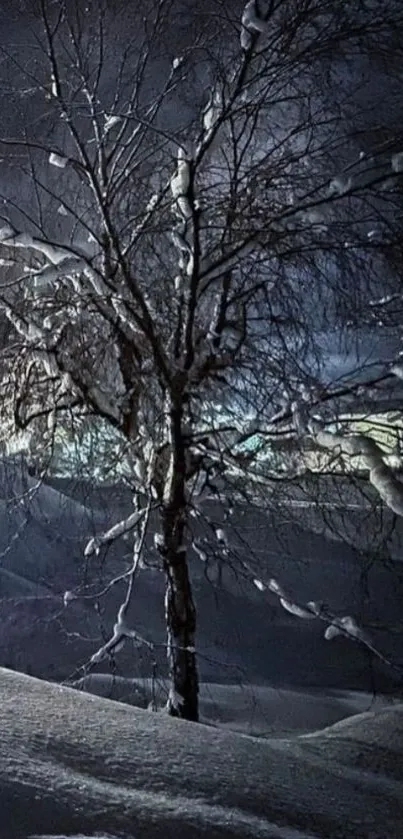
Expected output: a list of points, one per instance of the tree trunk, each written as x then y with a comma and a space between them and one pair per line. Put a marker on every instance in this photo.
180, 612
180, 618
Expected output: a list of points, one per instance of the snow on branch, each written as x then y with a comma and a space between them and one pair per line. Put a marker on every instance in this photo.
121, 630
340, 185
64, 262
111, 120
345, 625
222, 537
180, 183
27, 328
384, 301
212, 111
251, 24
296, 610
381, 476
307, 612
58, 160
114, 532
49, 274
54, 253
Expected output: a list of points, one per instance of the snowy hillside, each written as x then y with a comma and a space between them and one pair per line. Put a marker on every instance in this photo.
72, 763
243, 635
257, 710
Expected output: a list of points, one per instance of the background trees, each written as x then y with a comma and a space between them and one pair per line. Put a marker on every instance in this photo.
193, 224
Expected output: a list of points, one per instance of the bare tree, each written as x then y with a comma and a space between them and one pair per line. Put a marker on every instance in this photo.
176, 257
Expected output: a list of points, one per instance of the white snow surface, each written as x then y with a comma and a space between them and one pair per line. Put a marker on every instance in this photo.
72, 764
276, 833
256, 710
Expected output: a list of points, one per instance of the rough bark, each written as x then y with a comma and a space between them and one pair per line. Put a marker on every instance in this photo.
180, 618
180, 610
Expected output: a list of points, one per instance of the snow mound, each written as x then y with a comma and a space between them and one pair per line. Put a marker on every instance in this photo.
257, 710
375, 728
75, 764
117, 688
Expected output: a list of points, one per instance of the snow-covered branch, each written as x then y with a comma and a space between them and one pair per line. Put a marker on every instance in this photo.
55, 254
121, 630
115, 532
121, 633
345, 625
381, 475
180, 184
212, 112
251, 24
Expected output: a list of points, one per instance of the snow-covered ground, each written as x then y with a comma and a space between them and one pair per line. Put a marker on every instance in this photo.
76, 764
256, 710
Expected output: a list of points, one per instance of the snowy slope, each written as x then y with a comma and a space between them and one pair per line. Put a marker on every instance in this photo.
39, 526
257, 710
72, 763
242, 634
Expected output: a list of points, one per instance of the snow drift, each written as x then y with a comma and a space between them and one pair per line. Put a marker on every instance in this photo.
74, 763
